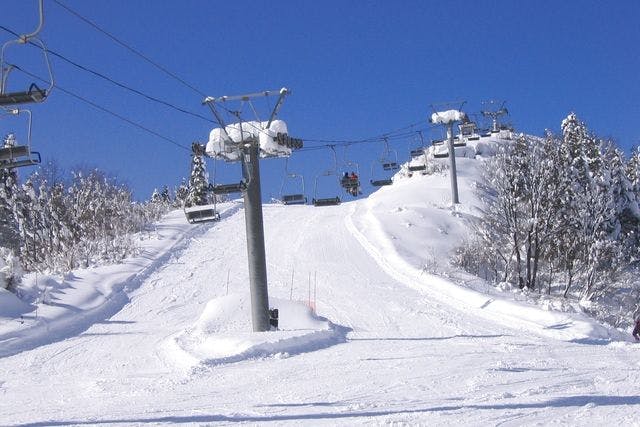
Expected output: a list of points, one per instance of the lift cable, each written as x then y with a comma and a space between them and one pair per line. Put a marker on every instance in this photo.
131, 49
106, 110
112, 81
182, 81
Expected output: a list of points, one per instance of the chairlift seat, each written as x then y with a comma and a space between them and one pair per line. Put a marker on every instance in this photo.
11, 153
417, 168
33, 95
441, 155
331, 201
204, 213
416, 153
294, 199
349, 183
381, 182
459, 143
390, 166
18, 156
220, 189
438, 142
474, 138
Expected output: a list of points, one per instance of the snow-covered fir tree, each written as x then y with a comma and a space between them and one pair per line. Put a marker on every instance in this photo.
198, 182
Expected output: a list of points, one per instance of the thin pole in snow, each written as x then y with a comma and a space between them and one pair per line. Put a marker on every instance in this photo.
309, 291
228, 272
291, 293
315, 294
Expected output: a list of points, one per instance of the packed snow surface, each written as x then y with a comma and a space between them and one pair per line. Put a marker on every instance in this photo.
371, 330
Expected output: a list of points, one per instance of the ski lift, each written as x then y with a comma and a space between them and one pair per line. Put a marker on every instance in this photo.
326, 201
350, 182
469, 130
388, 162
33, 94
13, 155
417, 152
292, 198
204, 213
494, 114
416, 147
441, 154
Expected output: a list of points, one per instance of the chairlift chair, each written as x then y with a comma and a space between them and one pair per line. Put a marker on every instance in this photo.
323, 201
224, 189
33, 94
292, 198
13, 155
326, 201
441, 152
203, 213
379, 181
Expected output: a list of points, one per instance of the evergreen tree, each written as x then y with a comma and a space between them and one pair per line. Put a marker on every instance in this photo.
198, 183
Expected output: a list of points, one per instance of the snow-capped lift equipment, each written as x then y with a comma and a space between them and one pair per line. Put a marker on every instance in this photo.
33, 94
447, 117
247, 152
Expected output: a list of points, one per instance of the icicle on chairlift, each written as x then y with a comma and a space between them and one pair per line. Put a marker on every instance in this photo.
491, 111
292, 198
420, 153
201, 213
33, 94
12, 154
388, 162
350, 178
331, 172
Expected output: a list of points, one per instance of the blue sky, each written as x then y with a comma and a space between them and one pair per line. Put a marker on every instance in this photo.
356, 69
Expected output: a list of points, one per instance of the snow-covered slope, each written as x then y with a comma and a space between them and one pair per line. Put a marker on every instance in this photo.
389, 343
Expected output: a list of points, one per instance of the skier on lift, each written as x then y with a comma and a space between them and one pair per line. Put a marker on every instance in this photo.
355, 184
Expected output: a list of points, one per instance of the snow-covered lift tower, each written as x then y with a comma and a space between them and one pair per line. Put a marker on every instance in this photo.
448, 118
246, 142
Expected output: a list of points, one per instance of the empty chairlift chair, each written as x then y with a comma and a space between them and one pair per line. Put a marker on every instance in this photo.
297, 181
32, 94
14, 155
203, 213
324, 201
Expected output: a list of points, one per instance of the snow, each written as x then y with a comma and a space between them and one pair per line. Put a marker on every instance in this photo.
445, 117
397, 335
227, 148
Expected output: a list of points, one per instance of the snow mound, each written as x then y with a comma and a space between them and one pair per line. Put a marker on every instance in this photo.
222, 334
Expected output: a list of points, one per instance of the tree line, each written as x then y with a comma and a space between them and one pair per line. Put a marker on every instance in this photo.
48, 223
561, 214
